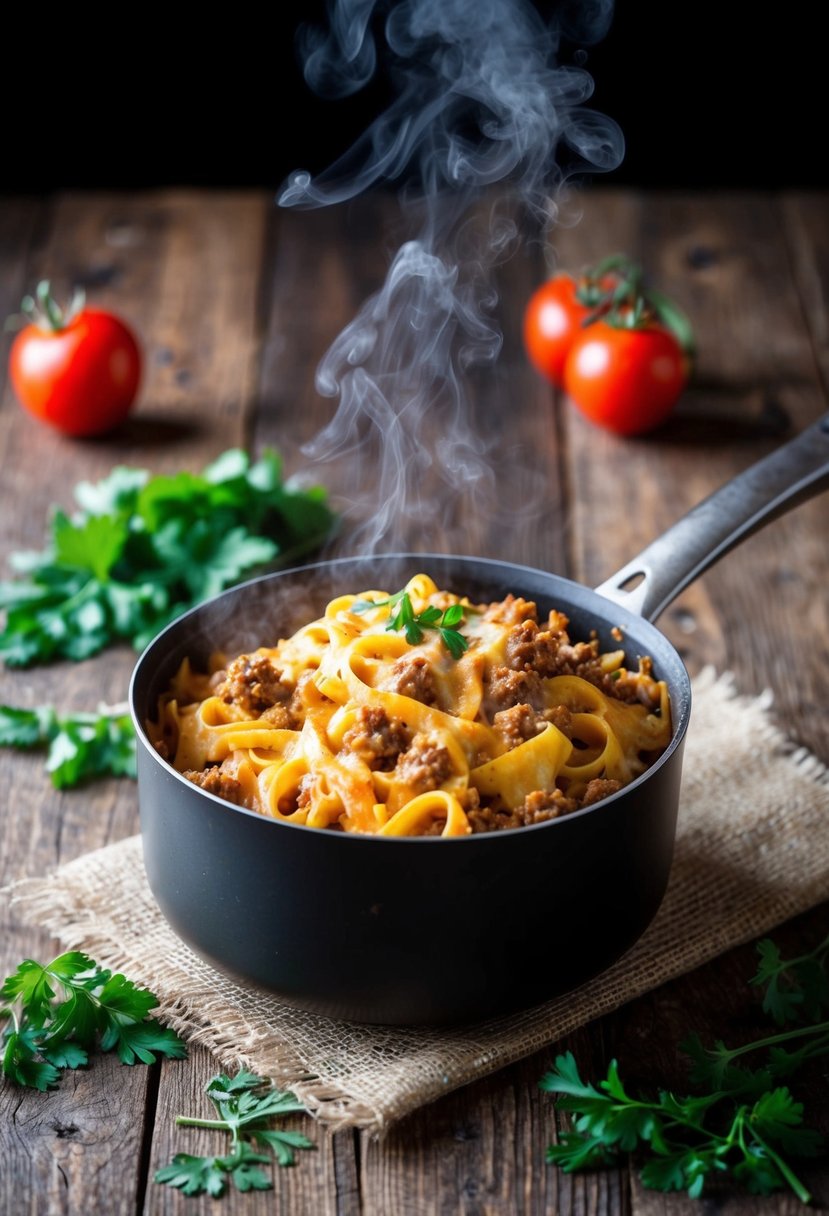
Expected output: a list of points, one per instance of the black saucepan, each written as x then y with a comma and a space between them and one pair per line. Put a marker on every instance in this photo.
425, 929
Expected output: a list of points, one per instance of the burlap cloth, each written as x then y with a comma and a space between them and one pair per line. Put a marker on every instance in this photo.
752, 850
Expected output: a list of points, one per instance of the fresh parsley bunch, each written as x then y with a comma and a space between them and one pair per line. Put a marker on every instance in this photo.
57, 1013
143, 549
741, 1123
246, 1106
78, 746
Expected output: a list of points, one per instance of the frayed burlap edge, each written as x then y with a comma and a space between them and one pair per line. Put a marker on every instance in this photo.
368, 1076
56, 904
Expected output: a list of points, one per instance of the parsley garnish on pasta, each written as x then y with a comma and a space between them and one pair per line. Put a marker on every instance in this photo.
413, 623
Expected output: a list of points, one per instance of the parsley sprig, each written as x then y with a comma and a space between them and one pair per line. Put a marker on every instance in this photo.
57, 1013
794, 988
143, 549
413, 623
686, 1149
739, 1122
78, 746
246, 1107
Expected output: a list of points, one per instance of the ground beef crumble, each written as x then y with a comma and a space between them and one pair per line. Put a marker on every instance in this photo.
376, 738
538, 807
541, 653
424, 766
252, 683
411, 676
560, 717
511, 611
217, 782
504, 688
598, 788
280, 717
517, 725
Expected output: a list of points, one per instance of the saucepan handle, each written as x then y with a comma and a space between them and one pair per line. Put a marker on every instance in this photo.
795, 472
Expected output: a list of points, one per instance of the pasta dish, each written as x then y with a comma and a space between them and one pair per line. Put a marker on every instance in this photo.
416, 713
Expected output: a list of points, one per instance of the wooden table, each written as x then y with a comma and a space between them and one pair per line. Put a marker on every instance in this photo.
235, 303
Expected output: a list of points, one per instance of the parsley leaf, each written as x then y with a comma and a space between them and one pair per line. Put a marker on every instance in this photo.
776, 1116
143, 549
794, 988
209, 1175
58, 1012
20, 1065
79, 746
245, 1104
404, 617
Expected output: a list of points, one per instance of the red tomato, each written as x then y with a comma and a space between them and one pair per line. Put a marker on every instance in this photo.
627, 380
81, 377
552, 319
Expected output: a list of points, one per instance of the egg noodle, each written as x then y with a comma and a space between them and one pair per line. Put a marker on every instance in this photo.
350, 725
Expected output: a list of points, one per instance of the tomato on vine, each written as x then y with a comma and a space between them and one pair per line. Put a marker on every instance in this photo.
76, 369
556, 312
625, 379
621, 352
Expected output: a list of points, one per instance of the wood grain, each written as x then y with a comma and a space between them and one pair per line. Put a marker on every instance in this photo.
77, 1150
184, 271
482, 1151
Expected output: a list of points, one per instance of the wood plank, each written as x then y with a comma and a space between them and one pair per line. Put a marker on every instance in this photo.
21, 222
57, 1150
47, 1143
323, 1181
514, 408
75, 1150
804, 218
323, 265
183, 269
147, 276
481, 1150
727, 264
140, 252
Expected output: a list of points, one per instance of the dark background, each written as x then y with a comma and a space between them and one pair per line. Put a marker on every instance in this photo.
708, 95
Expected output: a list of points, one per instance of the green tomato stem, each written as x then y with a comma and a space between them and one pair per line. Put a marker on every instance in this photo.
674, 319
44, 311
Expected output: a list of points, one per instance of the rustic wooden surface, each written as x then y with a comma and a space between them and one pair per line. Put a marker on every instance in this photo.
235, 304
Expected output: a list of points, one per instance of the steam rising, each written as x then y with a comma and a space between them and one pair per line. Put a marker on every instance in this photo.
481, 100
